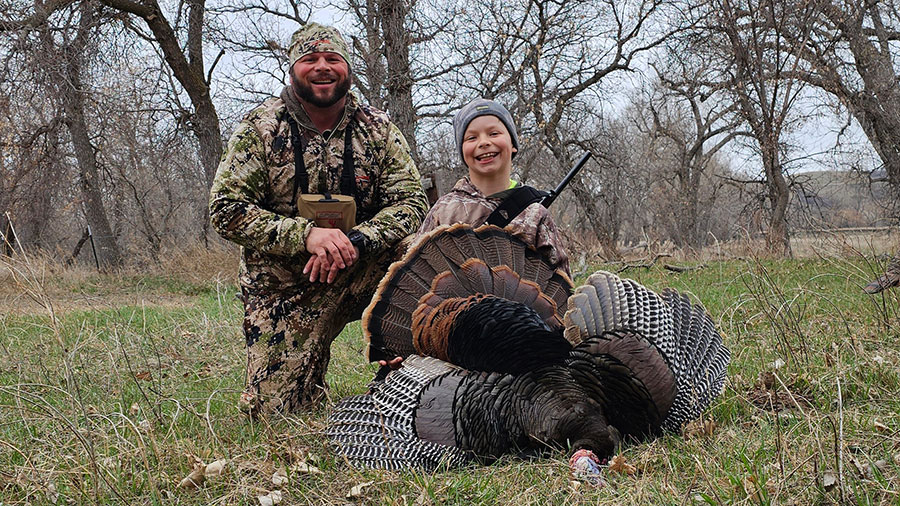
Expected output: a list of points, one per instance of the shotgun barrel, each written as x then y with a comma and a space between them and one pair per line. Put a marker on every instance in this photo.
562, 184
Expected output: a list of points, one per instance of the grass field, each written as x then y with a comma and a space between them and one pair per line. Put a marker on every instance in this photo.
112, 388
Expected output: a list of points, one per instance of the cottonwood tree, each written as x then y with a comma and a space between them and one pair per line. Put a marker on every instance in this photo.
851, 53
181, 44
617, 184
687, 128
743, 39
30, 157
58, 48
149, 159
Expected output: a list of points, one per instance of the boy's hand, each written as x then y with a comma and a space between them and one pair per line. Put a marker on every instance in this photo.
394, 363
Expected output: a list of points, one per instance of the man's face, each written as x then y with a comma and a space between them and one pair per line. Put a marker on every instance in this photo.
321, 79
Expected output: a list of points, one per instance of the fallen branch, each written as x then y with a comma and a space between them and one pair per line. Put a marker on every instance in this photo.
683, 268
646, 265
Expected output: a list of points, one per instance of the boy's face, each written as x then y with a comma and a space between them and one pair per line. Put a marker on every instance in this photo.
487, 147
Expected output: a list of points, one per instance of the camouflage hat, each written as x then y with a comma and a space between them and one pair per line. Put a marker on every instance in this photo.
316, 38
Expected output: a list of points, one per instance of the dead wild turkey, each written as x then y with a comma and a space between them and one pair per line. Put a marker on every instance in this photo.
509, 368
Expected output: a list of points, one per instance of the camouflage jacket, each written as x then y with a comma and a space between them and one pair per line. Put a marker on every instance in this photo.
466, 204
250, 200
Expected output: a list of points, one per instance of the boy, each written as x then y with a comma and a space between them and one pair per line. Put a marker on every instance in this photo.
487, 142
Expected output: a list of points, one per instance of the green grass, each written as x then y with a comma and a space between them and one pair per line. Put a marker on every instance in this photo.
111, 401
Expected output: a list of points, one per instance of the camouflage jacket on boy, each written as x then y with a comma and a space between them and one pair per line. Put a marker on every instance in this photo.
250, 201
466, 204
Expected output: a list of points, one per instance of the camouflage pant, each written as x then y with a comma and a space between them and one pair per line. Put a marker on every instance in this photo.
289, 335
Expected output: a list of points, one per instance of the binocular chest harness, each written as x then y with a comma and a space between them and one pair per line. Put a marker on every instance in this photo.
327, 210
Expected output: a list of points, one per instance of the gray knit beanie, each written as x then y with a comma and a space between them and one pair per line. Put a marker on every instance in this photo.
482, 107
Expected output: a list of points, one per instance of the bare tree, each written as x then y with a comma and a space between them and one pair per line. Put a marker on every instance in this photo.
396, 42
745, 36
59, 56
186, 60
687, 128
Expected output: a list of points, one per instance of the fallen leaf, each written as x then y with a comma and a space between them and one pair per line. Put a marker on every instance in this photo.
619, 465
144, 425
750, 488
880, 427
135, 408
215, 468
143, 375
195, 478
829, 480
304, 468
272, 498
777, 364
279, 478
52, 494
862, 470
357, 490
878, 359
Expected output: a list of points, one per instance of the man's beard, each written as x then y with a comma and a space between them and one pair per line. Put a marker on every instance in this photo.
306, 93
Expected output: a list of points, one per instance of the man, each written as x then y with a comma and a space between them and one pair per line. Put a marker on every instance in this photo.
301, 283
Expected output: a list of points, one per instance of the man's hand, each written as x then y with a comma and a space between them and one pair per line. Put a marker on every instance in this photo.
330, 251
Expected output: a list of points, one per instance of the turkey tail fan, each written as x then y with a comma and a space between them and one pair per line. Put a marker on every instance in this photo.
702, 358
379, 430
448, 272
683, 332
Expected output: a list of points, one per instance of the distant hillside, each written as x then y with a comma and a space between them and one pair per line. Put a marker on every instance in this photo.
841, 199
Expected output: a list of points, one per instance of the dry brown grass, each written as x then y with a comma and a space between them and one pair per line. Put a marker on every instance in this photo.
81, 287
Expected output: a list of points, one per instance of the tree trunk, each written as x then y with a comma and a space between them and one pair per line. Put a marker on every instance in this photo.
74, 97
778, 239
399, 79
209, 138
190, 72
91, 194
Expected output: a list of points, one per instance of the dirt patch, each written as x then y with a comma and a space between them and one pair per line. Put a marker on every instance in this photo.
769, 395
